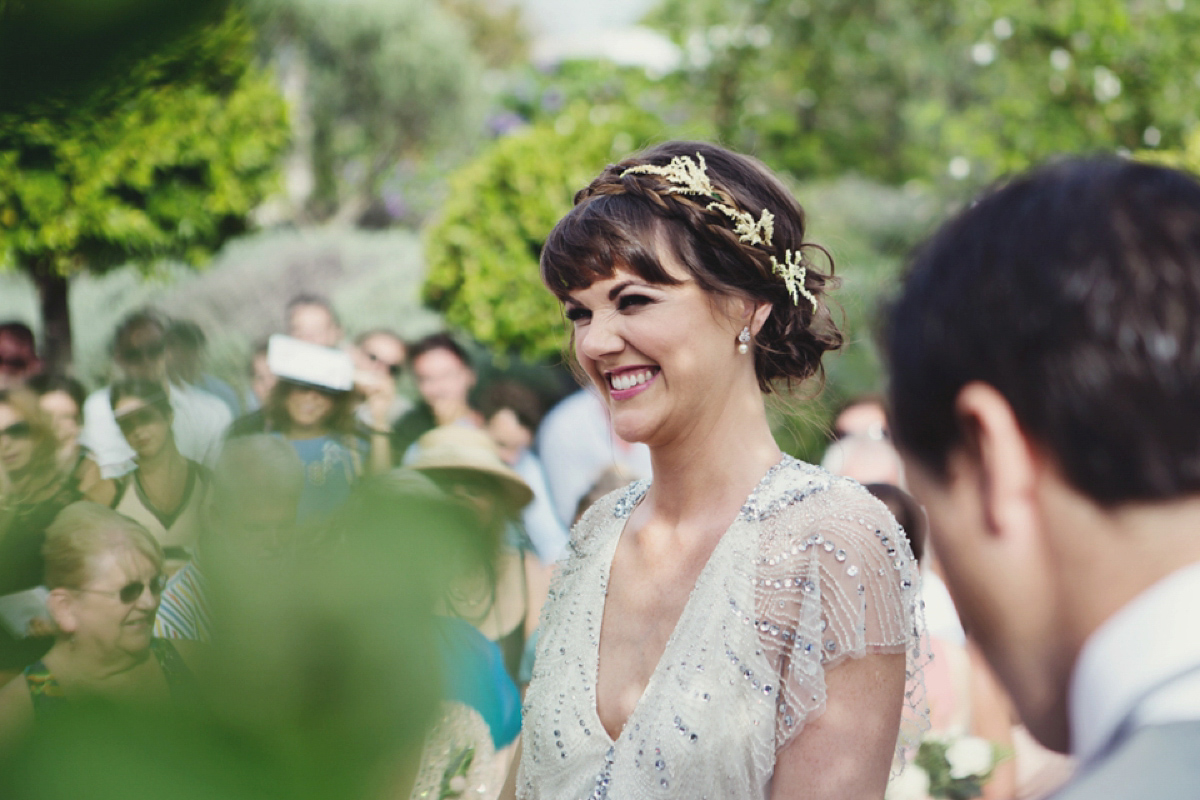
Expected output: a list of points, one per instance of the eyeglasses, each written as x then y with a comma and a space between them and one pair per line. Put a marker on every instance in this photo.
17, 363
393, 369
130, 592
146, 415
18, 430
138, 355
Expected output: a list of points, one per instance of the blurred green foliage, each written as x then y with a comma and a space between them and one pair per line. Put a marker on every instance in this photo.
373, 81
899, 89
482, 250
167, 162
64, 49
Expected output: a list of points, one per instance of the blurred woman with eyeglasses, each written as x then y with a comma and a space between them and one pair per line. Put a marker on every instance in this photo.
166, 491
32, 491
105, 575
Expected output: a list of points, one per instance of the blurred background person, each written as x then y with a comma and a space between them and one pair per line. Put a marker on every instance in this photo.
166, 490
249, 520
964, 696
199, 419
861, 415
311, 318
187, 348
18, 354
444, 375
479, 718
61, 399
865, 458
311, 407
577, 444
33, 489
512, 412
465, 465
105, 575
380, 356
262, 380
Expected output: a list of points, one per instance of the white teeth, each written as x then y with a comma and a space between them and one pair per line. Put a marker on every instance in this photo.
629, 380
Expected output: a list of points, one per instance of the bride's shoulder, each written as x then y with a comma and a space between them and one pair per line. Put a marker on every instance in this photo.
798, 499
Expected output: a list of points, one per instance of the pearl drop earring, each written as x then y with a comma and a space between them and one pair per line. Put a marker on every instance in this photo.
744, 340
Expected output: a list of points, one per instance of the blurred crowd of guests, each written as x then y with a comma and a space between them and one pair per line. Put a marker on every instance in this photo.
135, 518
134, 515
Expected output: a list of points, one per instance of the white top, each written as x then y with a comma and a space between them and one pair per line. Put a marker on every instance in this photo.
814, 570
201, 420
1140, 668
576, 444
548, 535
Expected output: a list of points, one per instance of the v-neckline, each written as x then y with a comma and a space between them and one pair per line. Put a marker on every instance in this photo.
610, 555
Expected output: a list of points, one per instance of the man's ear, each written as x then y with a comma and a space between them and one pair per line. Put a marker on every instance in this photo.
61, 606
1006, 465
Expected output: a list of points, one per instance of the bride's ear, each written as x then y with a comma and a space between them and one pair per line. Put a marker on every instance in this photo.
758, 313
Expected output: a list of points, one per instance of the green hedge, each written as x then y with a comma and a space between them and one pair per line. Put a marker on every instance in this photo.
483, 249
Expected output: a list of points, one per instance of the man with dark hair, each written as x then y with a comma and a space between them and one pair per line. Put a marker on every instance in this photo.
18, 354
445, 378
140, 352
1045, 382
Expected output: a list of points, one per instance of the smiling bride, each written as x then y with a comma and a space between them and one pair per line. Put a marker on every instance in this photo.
746, 626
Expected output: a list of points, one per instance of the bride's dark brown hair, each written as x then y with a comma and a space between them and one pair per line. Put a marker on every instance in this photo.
619, 219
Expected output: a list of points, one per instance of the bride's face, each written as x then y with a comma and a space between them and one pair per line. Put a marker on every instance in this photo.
663, 356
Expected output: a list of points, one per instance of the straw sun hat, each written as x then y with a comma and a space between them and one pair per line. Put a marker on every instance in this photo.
455, 448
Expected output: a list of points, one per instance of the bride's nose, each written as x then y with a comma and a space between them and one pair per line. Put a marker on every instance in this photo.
600, 337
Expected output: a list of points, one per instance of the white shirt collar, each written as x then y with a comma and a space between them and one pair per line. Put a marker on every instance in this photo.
1148, 646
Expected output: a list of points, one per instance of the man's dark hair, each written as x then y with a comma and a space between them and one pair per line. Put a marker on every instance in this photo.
515, 396
137, 319
439, 341
185, 334
1074, 291
306, 299
19, 331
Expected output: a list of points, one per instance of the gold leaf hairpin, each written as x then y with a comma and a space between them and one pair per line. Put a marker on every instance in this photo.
793, 271
748, 229
687, 176
691, 177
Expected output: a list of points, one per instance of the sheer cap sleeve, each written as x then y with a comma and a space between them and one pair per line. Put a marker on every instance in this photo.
835, 579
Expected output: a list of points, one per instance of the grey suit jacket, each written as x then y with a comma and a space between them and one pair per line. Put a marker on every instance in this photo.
1159, 762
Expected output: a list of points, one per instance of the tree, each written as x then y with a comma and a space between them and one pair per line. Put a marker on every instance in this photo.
483, 249
377, 82
167, 162
901, 89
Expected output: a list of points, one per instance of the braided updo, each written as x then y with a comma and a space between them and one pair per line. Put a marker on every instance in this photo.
620, 219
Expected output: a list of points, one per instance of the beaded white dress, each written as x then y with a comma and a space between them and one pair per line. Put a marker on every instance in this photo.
813, 571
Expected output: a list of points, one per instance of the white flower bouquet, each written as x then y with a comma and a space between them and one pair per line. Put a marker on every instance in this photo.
955, 766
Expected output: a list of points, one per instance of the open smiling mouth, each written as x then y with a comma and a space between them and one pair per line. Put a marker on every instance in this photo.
631, 379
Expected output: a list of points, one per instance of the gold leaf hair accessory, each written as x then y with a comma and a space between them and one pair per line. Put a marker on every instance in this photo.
691, 177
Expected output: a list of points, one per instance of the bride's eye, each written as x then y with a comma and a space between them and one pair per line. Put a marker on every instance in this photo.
630, 300
576, 313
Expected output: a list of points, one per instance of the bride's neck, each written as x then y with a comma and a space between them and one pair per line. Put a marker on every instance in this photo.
713, 468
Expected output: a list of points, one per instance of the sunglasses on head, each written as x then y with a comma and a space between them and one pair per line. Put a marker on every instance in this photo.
136, 355
18, 430
15, 362
393, 369
146, 415
130, 592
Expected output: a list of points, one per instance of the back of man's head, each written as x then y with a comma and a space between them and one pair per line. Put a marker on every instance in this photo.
1073, 291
